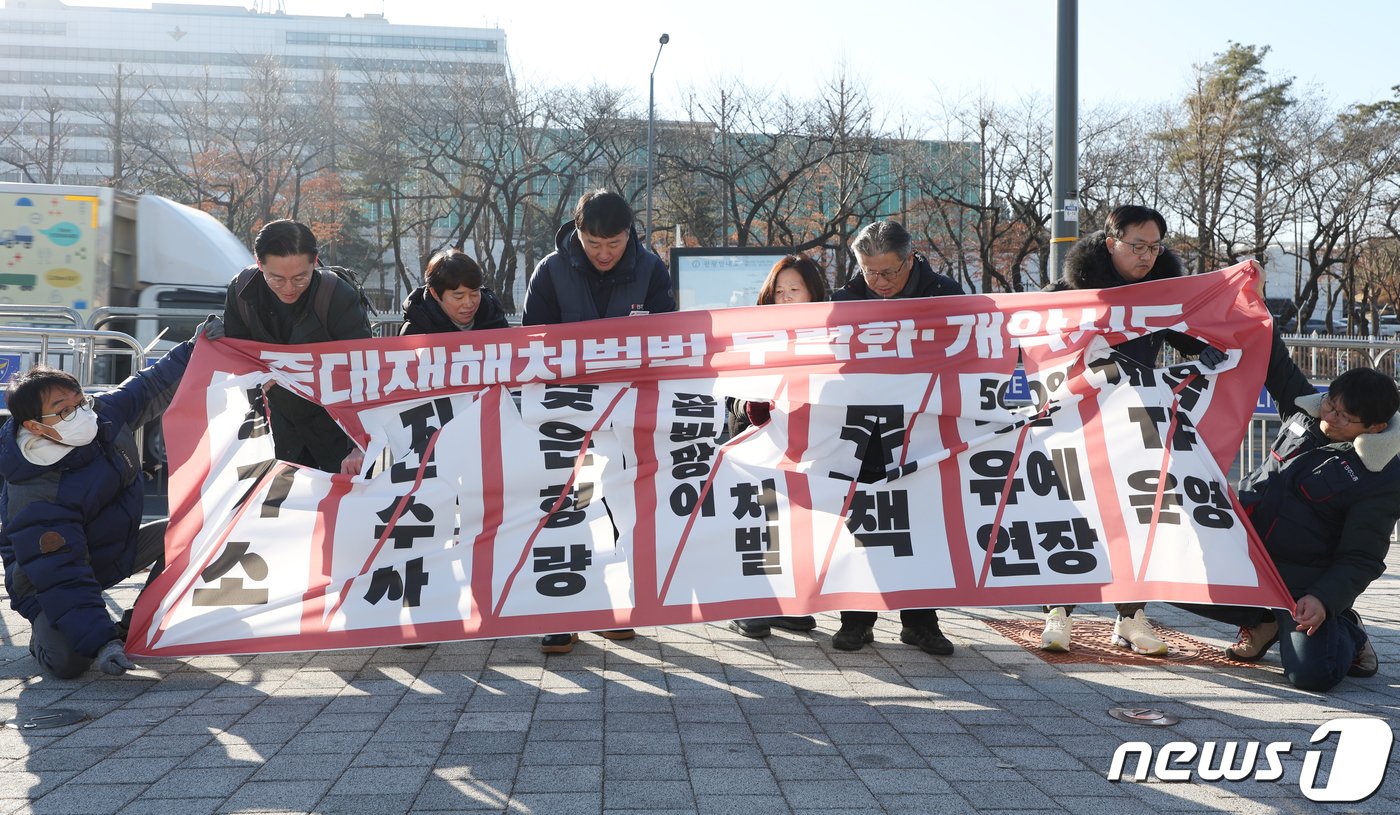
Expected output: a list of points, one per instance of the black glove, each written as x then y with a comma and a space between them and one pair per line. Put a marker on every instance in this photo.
1211, 357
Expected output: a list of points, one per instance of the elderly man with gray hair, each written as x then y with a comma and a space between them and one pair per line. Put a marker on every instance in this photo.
890, 269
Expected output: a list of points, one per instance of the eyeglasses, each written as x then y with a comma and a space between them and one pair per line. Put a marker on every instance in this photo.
1144, 249
67, 413
888, 277
1339, 418
296, 281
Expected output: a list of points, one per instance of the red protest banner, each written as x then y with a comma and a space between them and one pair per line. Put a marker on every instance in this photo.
576, 476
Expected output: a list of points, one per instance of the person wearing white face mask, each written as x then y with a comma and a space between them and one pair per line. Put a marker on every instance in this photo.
71, 506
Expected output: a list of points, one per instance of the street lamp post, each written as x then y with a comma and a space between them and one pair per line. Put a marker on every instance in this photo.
651, 127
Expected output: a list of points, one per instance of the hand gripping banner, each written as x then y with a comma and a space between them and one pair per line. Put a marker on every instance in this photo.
576, 477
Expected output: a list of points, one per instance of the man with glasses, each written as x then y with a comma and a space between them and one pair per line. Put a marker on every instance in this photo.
71, 505
286, 300
1128, 250
890, 269
1324, 502
599, 269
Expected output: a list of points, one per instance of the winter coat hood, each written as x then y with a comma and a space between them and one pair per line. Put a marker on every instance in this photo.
1088, 265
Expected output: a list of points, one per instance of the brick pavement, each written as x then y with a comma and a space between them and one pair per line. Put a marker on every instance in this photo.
691, 720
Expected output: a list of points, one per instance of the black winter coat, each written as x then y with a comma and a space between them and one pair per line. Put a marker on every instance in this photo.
1323, 509
1088, 265
302, 432
423, 315
923, 282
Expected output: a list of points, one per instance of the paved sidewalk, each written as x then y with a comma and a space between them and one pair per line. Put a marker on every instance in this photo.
691, 719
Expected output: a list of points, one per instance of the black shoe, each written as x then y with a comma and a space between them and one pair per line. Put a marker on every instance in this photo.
756, 628
852, 637
799, 624
927, 638
1366, 663
617, 634
558, 643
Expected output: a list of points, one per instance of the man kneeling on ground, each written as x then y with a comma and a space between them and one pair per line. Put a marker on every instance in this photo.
71, 505
1324, 503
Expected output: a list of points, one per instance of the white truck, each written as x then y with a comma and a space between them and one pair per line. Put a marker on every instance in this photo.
84, 248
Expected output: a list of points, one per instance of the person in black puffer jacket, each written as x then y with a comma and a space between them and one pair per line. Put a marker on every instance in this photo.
275, 303
70, 506
599, 269
794, 279
452, 298
891, 269
1324, 502
1130, 249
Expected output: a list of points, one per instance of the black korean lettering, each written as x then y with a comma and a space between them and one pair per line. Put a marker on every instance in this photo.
1150, 419
253, 474
569, 397
255, 421
571, 509
561, 584
994, 466
1074, 541
387, 582
1058, 473
1147, 419
422, 421
1144, 483
881, 519
231, 591
877, 431
561, 566
561, 445
1017, 539
1195, 386
694, 405
404, 535
1214, 508
758, 548
755, 500
691, 431
277, 492
685, 497
691, 460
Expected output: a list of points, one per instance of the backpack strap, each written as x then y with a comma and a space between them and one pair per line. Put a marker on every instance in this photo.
240, 283
321, 300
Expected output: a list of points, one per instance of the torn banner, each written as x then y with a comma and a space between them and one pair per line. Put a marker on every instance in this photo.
573, 477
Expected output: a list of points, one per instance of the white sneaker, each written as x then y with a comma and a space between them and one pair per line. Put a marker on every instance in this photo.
1056, 635
1136, 633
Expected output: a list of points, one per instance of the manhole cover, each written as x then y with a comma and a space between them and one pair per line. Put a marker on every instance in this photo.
46, 719
1142, 715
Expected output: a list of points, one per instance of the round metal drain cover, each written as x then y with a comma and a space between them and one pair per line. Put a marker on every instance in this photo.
46, 719
1142, 715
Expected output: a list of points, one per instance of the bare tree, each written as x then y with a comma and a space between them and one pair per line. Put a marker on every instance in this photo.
985, 233
36, 143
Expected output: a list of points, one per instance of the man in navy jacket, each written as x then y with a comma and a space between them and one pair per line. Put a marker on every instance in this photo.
71, 506
599, 269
